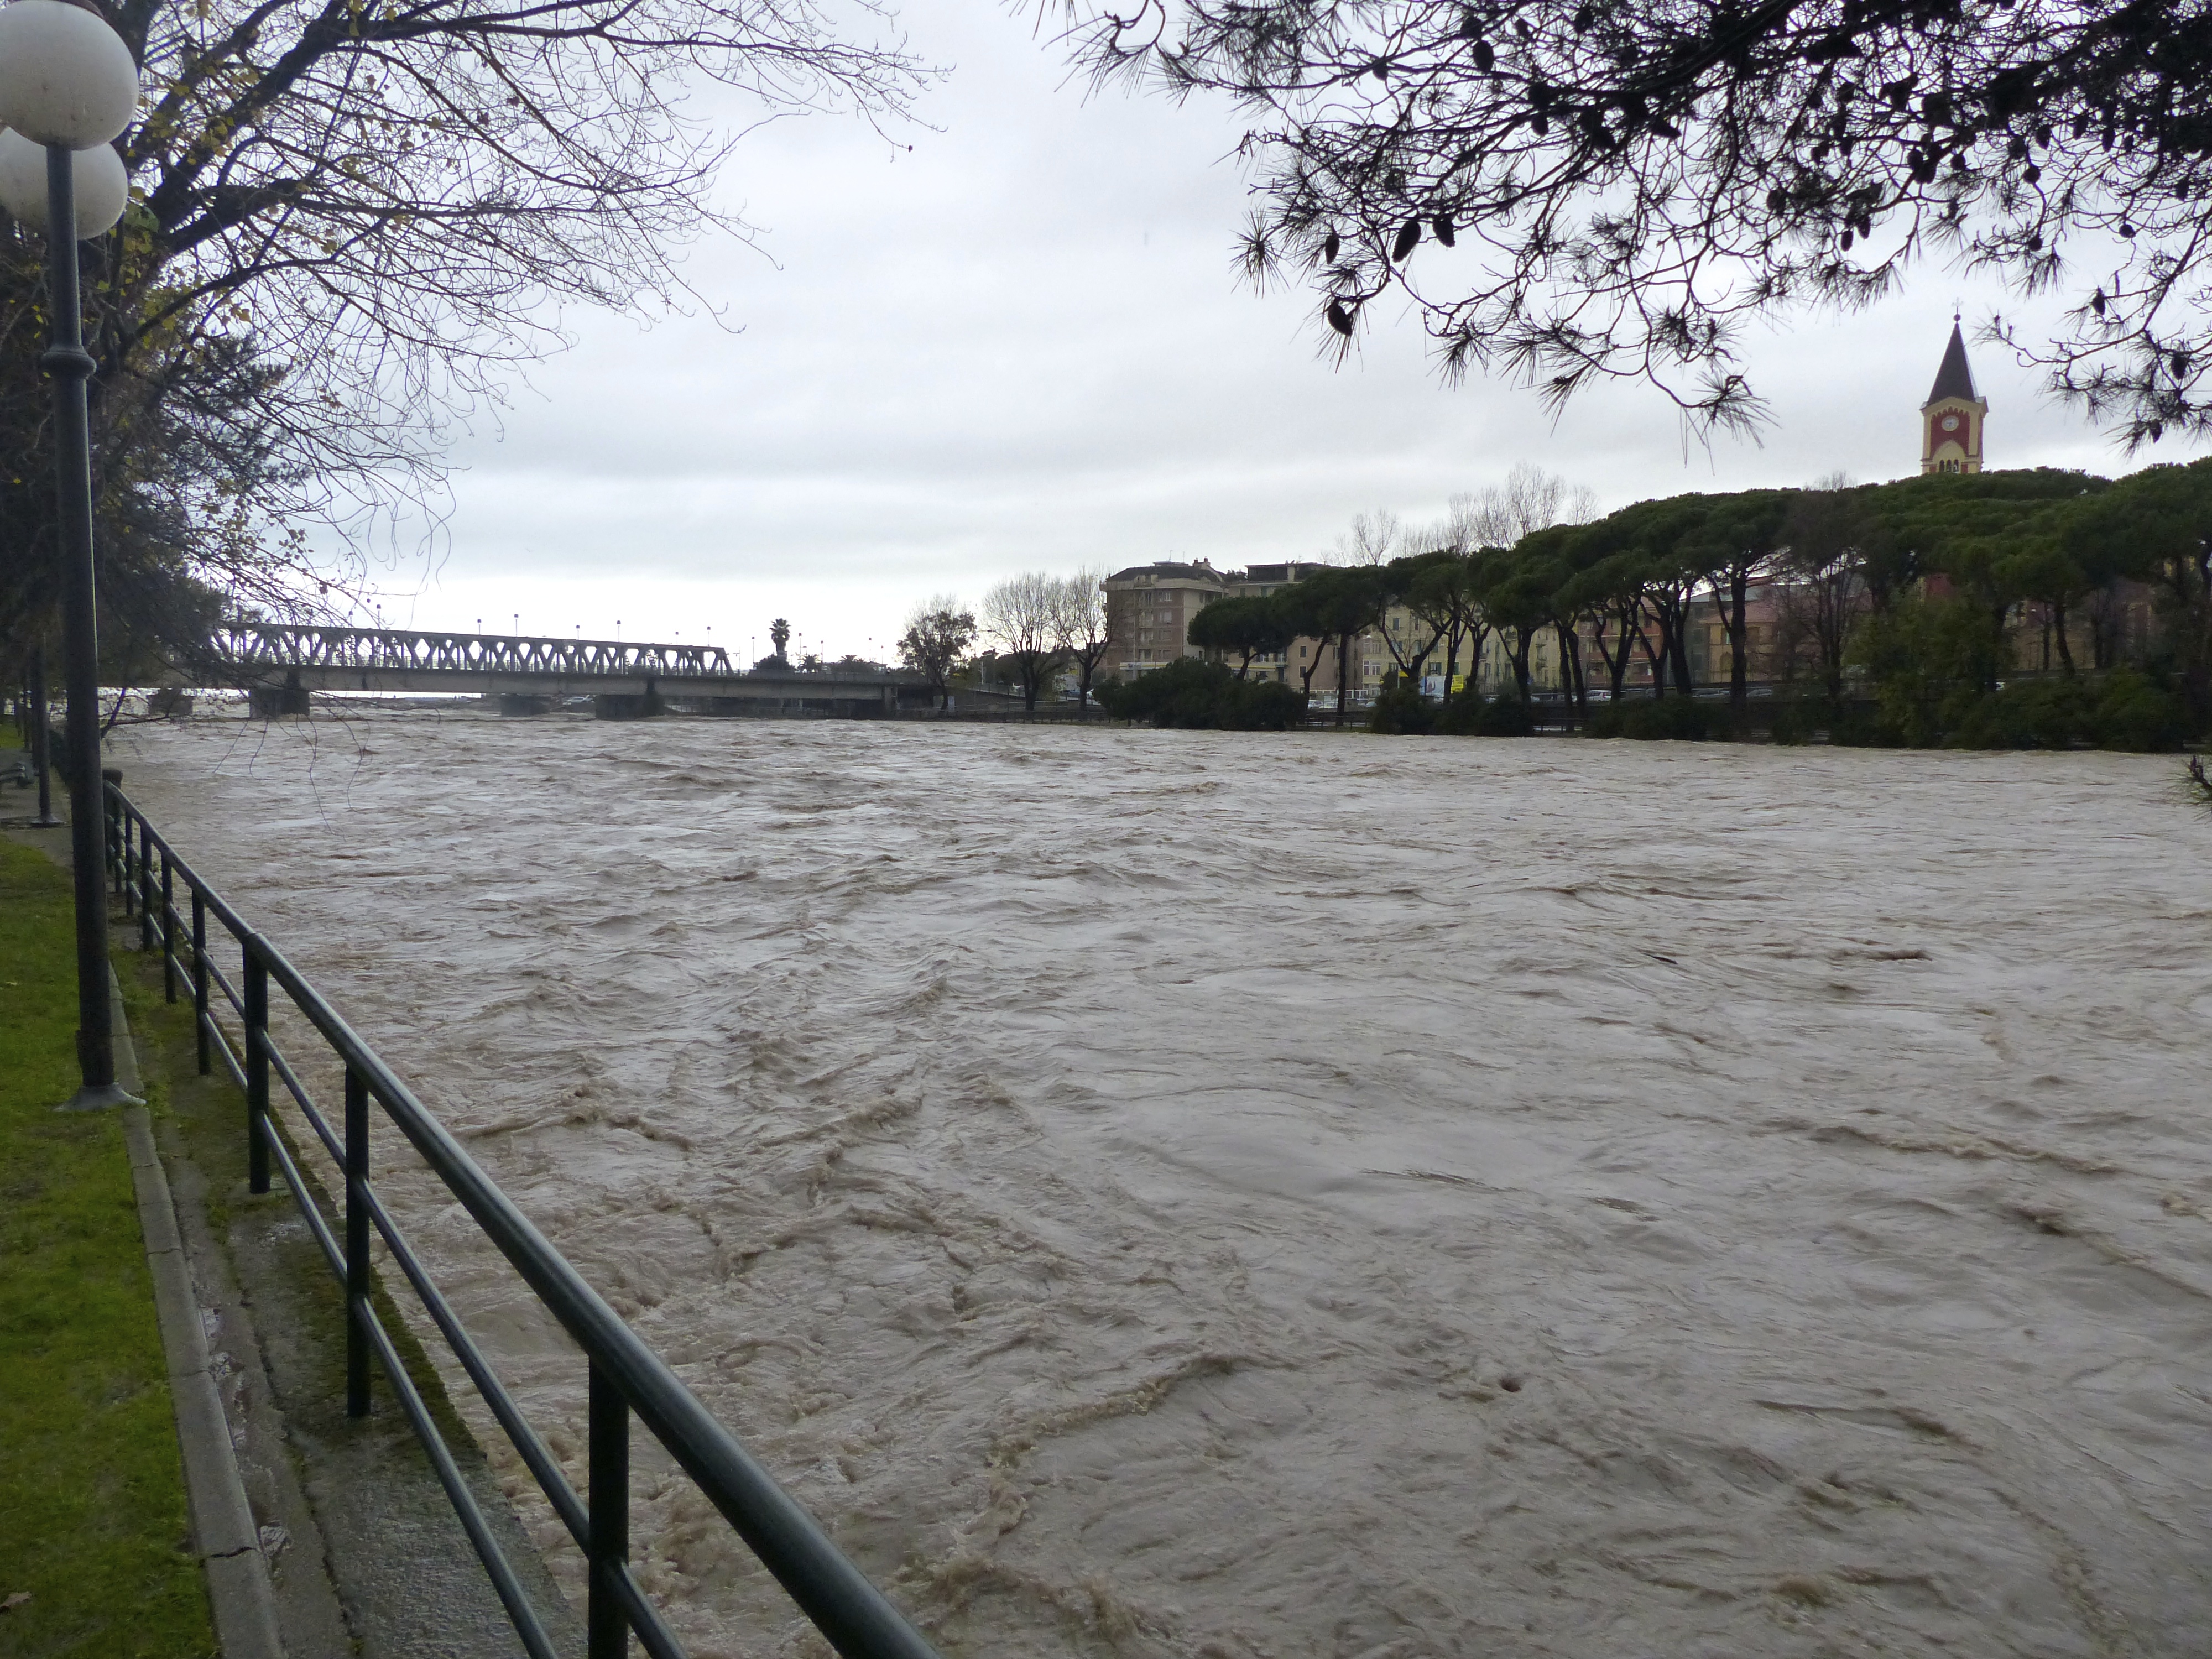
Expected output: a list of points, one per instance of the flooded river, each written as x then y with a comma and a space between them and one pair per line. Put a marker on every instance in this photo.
1229, 1195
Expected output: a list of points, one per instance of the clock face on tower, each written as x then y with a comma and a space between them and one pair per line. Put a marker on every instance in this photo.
1950, 422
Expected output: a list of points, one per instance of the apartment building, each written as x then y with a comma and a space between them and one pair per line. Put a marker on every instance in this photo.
1148, 612
1149, 608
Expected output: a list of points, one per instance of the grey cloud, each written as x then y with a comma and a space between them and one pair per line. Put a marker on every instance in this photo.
1022, 345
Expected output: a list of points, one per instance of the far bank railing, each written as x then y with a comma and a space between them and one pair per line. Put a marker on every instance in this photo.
625, 1376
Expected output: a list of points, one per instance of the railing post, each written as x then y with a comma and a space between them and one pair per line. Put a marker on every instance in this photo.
168, 930
356, 1242
257, 1073
145, 889
122, 871
606, 1625
111, 843
200, 980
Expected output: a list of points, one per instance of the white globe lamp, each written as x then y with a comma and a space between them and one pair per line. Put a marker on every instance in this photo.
102, 186
66, 77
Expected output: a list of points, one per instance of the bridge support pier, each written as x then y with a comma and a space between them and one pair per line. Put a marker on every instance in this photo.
278, 702
626, 706
519, 705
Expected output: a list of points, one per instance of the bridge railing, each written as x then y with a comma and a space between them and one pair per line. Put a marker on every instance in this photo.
232, 1020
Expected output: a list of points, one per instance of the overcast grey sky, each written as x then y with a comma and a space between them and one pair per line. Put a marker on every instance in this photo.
1022, 345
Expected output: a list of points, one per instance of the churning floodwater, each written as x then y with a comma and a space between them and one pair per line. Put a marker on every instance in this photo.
1217, 1195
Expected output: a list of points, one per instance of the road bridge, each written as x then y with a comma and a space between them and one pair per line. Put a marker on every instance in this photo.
280, 665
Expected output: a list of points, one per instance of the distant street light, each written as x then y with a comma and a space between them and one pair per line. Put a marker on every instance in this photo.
68, 86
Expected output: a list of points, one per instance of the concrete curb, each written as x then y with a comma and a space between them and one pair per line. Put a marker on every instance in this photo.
240, 1595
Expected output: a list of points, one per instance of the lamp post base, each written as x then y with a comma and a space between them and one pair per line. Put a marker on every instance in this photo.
97, 1097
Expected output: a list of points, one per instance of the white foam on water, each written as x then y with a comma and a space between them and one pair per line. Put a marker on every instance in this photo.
1229, 1194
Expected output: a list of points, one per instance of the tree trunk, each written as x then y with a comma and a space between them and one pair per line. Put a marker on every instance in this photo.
1657, 659
1685, 679
1616, 658
1343, 674
2058, 637
1733, 620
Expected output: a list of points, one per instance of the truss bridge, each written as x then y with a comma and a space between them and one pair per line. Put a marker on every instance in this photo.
280, 665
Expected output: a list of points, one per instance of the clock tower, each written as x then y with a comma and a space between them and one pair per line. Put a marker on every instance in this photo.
1951, 420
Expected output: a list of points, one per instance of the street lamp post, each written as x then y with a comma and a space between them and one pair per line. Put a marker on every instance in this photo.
68, 88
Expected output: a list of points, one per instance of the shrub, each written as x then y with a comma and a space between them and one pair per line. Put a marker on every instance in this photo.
2125, 709
2049, 714
1468, 713
1649, 719
1504, 717
1401, 712
1802, 718
1812, 717
1457, 713
1264, 706
1192, 693
2135, 712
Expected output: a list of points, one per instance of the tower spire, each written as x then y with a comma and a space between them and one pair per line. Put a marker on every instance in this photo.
1951, 420
1955, 379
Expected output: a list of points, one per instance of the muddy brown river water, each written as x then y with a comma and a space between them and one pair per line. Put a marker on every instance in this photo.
1233, 1195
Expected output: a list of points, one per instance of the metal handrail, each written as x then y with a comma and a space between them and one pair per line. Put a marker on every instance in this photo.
625, 1376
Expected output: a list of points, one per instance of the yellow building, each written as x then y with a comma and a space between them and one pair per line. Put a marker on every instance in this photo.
1951, 420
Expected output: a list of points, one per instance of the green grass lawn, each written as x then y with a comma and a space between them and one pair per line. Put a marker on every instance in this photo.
94, 1551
